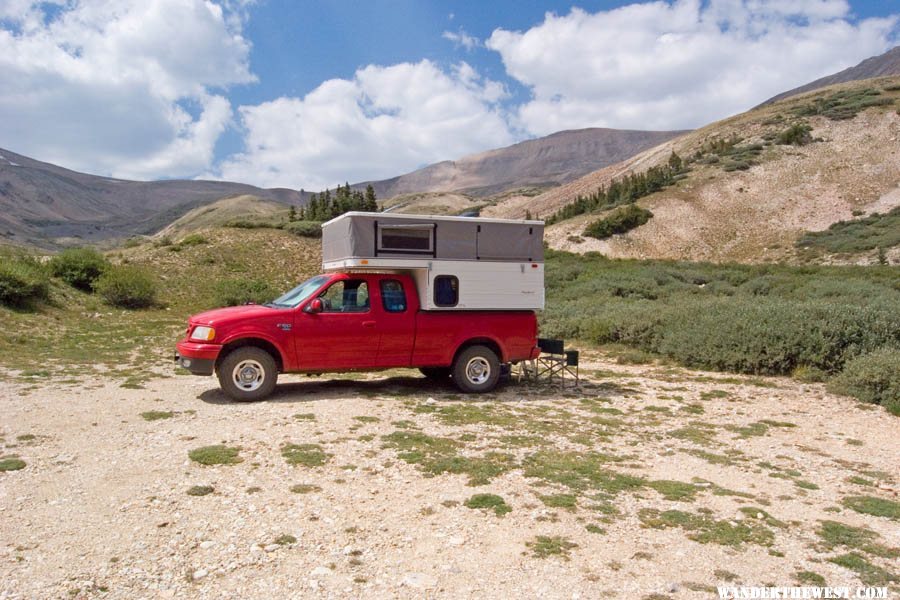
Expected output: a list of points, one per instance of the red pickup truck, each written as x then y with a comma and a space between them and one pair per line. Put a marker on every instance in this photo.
353, 321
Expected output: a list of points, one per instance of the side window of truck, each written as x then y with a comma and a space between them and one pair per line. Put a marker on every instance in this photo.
393, 298
347, 296
446, 290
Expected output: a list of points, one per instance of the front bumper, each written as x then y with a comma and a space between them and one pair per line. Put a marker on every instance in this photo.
199, 359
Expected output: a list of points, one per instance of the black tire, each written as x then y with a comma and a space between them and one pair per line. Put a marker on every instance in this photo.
436, 373
247, 374
476, 370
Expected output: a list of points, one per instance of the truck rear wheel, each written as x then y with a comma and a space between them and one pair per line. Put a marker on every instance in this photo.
436, 373
248, 374
476, 369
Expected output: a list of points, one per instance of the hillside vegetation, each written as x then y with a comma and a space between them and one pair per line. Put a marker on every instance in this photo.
810, 322
755, 183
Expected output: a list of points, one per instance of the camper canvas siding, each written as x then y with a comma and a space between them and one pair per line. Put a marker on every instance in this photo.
376, 235
458, 263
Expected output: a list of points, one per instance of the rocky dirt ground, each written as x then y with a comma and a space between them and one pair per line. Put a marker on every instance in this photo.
646, 482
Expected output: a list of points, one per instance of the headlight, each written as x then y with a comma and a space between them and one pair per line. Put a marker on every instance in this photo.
207, 334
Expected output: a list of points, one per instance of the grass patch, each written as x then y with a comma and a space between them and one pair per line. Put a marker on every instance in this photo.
366, 419
305, 417
285, 539
546, 546
200, 490
11, 463
157, 415
809, 578
579, 471
489, 502
216, 455
705, 529
677, 491
305, 488
567, 501
870, 505
835, 534
308, 455
868, 573
436, 456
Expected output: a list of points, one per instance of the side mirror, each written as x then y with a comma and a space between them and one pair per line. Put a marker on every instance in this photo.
315, 306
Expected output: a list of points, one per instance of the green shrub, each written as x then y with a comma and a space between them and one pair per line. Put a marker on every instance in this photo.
310, 229
127, 287
23, 281
746, 318
194, 239
234, 292
620, 220
79, 267
795, 135
872, 377
857, 235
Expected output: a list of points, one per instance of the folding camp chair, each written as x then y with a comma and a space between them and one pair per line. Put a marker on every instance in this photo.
556, 362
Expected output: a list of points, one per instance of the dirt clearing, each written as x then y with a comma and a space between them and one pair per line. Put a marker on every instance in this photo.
648, 481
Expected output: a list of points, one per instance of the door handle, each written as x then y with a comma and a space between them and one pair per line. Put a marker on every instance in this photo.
368, 323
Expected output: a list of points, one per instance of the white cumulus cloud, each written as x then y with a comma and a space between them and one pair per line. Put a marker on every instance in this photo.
131, 88
381, 123
682, 64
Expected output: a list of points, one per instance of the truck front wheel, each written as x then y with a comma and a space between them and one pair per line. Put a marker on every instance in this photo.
476, 369
248, 374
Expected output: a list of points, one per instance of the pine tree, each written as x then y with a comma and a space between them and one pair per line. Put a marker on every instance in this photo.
371, 204
292, 214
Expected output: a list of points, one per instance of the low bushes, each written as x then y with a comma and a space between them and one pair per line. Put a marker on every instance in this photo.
234, 292
310, 229
817, 322
23, 281
127, 287
620, 220
872, 377
79, 267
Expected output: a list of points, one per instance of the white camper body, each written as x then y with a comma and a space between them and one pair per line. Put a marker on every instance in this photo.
458, 263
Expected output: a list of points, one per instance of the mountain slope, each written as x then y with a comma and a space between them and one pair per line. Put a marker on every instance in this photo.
883, 65
546, 161
48, 206
758, 211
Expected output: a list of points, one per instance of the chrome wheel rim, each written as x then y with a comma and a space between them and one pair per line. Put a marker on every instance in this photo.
248, 375
478, 370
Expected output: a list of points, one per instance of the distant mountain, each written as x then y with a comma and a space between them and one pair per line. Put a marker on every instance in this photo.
49, 206
882, 65
544, 162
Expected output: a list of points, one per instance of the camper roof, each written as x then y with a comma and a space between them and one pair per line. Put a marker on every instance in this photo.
385, 216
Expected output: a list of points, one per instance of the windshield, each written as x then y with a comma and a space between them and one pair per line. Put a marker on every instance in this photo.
300, 293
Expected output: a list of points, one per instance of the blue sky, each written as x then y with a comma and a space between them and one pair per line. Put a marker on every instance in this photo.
311, 94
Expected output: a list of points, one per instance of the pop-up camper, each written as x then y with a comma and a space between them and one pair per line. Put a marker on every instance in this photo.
458, 263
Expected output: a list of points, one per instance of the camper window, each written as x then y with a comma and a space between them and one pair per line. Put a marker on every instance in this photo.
346, 296
446, 290
414, 239
393, 297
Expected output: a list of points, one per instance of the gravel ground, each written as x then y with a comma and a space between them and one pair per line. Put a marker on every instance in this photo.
101, 509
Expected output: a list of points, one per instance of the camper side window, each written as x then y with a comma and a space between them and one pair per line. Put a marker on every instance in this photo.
411, 239
446, 290
393, 298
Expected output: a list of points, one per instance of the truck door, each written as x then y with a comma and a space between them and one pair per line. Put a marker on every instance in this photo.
396, 324
343, 335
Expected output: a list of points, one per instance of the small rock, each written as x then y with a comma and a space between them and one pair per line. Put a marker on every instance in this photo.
321, 572
272, 547
759, 515
206, 545
456, 541
419, 581
673, 588
200, 574
431, 402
